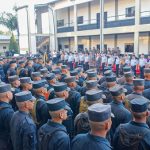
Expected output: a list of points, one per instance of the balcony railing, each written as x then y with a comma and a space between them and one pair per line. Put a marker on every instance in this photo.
145, 17
66, 28
119, 21
89, 25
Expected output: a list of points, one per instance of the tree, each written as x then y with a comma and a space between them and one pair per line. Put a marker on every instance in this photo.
13, 46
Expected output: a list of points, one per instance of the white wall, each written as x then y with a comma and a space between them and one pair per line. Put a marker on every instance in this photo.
95, 40
143, 43
4, 45
84, 41
145, 6
109, 40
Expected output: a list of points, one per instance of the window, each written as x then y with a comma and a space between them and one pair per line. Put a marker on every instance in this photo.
66, 46
80, 20
130, 12
4, 47
129, 48
60, 23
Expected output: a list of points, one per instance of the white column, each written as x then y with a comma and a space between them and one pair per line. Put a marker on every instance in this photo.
75, 28
137, 22
101, 25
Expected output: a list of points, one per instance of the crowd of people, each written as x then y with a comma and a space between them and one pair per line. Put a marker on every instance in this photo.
75, 101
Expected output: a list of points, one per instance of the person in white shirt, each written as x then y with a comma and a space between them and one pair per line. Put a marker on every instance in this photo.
81, 58
76, 59
86, 62
117, 62
66, 58
142, 63
70, 61
110, 60
133, 64
104, 62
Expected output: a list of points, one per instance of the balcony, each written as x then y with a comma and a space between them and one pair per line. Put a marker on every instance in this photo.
145, 17
66, 28
94, 24
119, 21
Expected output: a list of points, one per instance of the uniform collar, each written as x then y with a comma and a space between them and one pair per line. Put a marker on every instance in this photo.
4, 104
116, 102
55, 124
139, 124
99, 139
41, 97
137, 93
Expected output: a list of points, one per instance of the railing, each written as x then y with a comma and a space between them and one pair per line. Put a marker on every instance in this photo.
118, 21
89, 25
68, 27
145, 17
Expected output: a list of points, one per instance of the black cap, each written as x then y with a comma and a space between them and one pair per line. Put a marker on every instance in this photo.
60, 86
94, 95
111, 79
128, 75
126, 69
5, 88
99, 112
108, 73
138, 82
12, 62
44, 70
36, 74
91, 84
21, 62
26, 80
13, 78
64, 67
74, 73
57, 71
146, 70
24, 96
50, 76
56, 104
92, 74
39, 84
70, 79
117, 90
139, 105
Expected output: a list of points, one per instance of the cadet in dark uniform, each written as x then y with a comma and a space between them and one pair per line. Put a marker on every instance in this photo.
122, 115
62, 91
147, 78
53, 135
44, 72
138, 88
23, 129
91, 75
40, 113
6, 113
74, 96
26, 83
128, 83
100, 122
15, 88
111, 82
134, 135
81, 123
29, 67
12, 68
51, 81
36, 76
122, 79
21, 71
57, 72
65, 73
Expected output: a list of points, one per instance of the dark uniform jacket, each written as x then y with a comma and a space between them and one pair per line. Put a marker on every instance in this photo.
51, 90
90, 142
58, 138
133, 134
122, 115
23, 131
6, 113
129, 88
147, 84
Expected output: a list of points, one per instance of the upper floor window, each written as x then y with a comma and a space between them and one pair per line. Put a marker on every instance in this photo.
130, 11
80, 20
60, 23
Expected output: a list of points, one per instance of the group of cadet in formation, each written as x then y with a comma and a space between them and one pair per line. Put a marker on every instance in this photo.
48, 105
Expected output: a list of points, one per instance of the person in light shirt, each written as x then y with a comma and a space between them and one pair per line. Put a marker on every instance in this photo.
76, 59
133, 64
81, 58
66, 57
104, 61
117, 62
86, 61
70, 61
110, 60
142, 63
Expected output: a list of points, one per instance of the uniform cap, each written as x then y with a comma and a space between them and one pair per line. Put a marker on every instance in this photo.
146, 70
139, 105
44, 70
50, 76
126, 69
117, 90
26, 80
111, 79
74, 73
36, 74
56, 104
70, 79
99, 112
57, 71
5, 88
91, 84
64, 67
13, 78
24, 96
138, 82
108, 73
39, 84
60, 86
128, 74
92, 74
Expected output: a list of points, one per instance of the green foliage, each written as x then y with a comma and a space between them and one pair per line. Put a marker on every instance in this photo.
9, 20
13, 46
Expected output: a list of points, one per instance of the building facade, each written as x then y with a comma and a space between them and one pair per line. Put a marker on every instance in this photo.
76, 23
